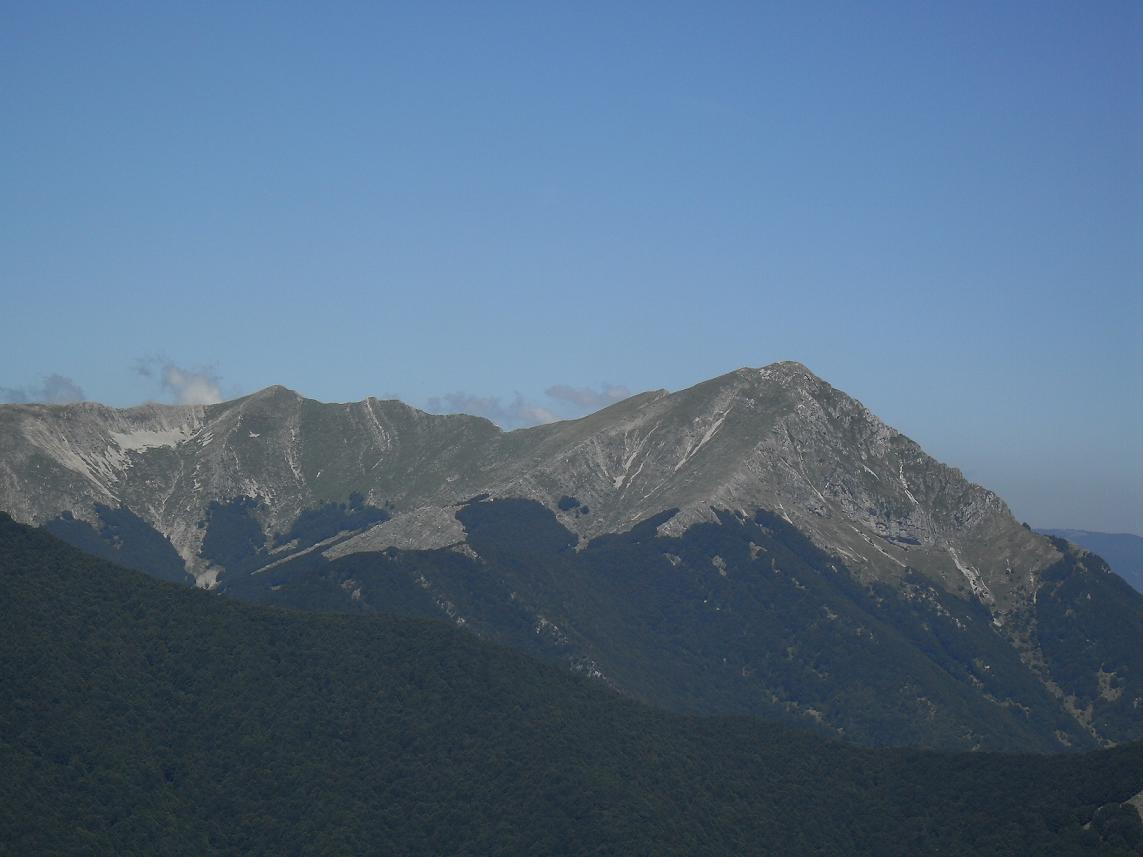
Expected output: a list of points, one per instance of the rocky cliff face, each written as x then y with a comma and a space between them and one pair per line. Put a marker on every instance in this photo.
775, 438
169, 463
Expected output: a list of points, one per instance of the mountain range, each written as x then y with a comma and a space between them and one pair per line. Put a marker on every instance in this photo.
760, 544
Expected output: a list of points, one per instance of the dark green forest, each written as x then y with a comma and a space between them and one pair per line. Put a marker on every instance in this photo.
141, 717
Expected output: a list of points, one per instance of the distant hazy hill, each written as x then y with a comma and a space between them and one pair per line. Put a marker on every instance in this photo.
1122, 551
144, 718
759, 543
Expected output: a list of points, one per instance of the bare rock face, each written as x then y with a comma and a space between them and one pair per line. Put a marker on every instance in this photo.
71, 457
169, 463
777, 438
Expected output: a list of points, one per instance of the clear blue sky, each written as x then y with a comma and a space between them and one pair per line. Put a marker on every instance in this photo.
938, 207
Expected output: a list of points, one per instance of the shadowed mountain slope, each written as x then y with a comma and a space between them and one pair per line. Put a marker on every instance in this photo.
1123, 552
746, 615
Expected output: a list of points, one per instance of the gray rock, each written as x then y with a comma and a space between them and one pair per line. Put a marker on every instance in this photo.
778, 438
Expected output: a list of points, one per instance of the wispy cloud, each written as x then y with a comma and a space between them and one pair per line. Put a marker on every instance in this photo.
202, 386
566, 402
517, 413
54, 390
587, 399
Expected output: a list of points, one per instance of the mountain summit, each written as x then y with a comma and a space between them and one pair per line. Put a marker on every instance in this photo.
764, 477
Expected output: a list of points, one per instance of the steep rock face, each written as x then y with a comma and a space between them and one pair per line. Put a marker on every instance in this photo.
169, 463
71, 457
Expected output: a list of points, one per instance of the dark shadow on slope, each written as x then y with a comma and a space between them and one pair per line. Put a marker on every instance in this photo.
743, 616
123, 538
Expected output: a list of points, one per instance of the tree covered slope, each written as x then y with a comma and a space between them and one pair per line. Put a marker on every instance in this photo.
141, 717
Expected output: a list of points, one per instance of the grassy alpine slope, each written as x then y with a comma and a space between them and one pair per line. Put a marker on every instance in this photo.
141, 717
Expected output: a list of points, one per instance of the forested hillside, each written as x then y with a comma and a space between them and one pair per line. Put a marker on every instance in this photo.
143, 718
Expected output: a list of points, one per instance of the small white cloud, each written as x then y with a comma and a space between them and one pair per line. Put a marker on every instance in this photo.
518, 413
201, 386
530, 414
192, 388
587, 399
55, 390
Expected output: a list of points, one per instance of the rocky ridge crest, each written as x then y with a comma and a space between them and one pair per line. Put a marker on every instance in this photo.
776, 438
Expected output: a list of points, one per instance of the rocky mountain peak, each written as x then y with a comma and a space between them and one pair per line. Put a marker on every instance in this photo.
275, 392
779, 437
